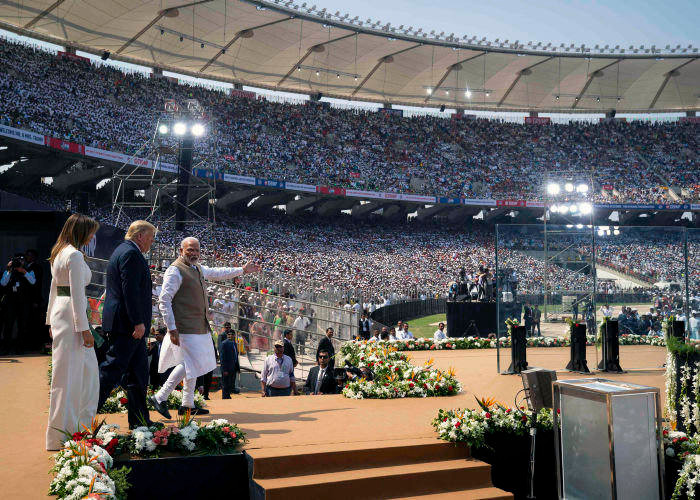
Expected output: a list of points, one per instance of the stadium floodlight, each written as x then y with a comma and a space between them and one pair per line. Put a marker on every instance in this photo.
163, 129
601, 232
616, 232
579, 226
468, 94
553, 188
569, 187
573, 208
179, 128
582, 188
564, 209
428, 91
197, 130
585, 208
554, 209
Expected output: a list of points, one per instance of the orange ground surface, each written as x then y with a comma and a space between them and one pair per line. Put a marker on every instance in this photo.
280, 422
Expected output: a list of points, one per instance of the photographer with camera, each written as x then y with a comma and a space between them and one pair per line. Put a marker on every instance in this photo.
17, 283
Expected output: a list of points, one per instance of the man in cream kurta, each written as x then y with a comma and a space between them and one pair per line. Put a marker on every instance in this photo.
183, 303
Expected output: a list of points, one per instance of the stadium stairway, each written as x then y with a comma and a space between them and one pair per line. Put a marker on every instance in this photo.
423, 468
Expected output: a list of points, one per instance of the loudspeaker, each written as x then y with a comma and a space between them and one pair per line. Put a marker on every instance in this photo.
678, 330
518, 350
611, 348
578, 362
442, 108
537, 383
105, 55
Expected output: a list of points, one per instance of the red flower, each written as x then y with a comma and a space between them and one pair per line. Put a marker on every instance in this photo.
111, 446
524, 418
488, 415
458, 423
78, 436
396, 369
558, 411
665, 432
123, 401
675, 440
445, 420
410, 385
450, 388
386, 385
432, 346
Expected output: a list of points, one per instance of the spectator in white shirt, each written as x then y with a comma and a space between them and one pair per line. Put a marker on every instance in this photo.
277, 377
440, 333
406, 333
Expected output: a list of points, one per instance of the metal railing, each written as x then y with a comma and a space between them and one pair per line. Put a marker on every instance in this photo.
256, 316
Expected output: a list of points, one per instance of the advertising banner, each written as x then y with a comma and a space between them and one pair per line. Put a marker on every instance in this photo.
481, 202
537, 120
689, 119
204, 173
390, 196
356, 193
73, 57
608, 187
269, 183
70, 147
295, 186
643, 206
330, 190
417, 197
242, 93
387, 111
511, 203
22, 135
448, 201
239, 179
695, 206
167, 167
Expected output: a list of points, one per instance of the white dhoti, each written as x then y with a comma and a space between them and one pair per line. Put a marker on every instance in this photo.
194, 357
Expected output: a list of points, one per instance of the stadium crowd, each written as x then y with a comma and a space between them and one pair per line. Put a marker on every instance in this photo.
103, 107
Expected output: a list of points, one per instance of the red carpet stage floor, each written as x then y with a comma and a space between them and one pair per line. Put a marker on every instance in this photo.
298, 425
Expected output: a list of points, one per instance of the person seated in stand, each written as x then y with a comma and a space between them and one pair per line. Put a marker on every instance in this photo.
392, 334
406, 334
375, 335
399, 326
440, 333
320, 379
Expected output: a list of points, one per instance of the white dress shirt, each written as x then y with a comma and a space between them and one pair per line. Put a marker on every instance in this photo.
6, 278
172, 279
439, 335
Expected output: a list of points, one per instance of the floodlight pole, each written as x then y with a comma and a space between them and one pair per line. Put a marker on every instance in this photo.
546, 261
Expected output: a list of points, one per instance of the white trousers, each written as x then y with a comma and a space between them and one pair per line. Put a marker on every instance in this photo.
75, 380
188, 386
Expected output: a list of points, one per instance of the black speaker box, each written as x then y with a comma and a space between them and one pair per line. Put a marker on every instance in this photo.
537, 383
578, 362
611, 348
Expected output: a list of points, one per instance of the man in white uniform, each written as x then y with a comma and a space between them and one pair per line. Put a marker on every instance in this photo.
183, 303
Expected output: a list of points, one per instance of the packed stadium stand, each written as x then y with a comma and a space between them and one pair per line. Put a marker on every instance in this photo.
98, 106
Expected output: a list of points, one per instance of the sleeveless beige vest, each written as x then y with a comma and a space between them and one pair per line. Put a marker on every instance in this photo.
190, 303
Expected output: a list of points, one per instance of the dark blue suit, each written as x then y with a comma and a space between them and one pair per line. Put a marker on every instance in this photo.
127, 304
228, 354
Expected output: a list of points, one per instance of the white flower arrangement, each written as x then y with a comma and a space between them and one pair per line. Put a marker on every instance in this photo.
80, 470
453, 343
117, 402
394, 375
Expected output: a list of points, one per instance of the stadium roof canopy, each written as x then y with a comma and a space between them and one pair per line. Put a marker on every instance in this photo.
286, 47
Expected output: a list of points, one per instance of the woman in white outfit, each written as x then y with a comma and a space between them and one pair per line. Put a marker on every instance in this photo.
75, 382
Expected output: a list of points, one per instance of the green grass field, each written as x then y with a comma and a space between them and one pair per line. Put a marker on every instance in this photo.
421, 327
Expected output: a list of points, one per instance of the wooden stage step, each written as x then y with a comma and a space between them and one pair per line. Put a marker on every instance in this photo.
385, 469
489, 493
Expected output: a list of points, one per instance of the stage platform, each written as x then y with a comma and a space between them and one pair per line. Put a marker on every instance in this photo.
289, 435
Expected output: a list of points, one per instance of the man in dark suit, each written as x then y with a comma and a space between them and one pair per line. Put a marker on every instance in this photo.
230, 366
365, 325
320, 379
289, 347
126, 315
527, 317
327, 345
